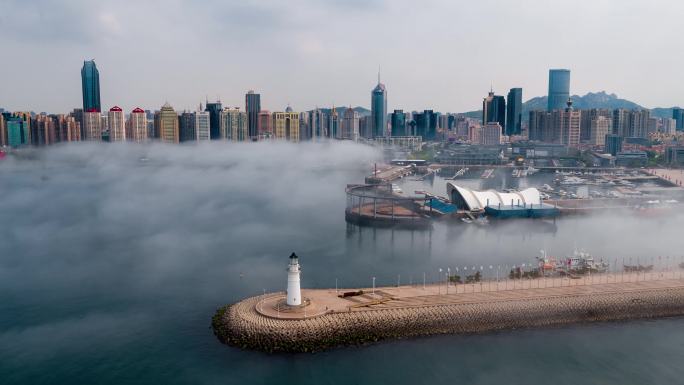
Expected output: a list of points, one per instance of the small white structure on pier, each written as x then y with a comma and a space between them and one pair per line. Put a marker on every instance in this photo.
294, 292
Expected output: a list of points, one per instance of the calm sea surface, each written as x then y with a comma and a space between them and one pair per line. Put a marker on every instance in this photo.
114, 258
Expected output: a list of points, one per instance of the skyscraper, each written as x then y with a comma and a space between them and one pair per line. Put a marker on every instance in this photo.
494, 110
186, 127
514, 112
333, 124
253, 107
214, 110
168, 124
203, 127
678, 116
264, 125
379, 109
137, 126
350, 124
286, 125
559, 89
117, 127
398, 123
234, 125
426, 125
90, 85
92, 125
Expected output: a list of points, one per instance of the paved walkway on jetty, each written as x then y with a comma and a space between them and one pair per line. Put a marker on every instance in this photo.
326, 301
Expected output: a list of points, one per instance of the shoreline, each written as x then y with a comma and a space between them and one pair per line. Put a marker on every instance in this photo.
398, 313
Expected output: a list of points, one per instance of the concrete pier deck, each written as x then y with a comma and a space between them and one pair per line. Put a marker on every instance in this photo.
266, 323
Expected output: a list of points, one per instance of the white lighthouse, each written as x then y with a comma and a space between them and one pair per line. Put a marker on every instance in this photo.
294, 292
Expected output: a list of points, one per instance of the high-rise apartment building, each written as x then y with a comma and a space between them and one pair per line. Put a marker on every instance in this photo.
265, 125
234, 125
379, 109
333, 124
136, 128
350, 125
426, 125
253, 107
567, 125
17, 132
117, 125
3, 130
203, 128
600, 126
92, 125
90, 86
494, 109
514, 112
168, 124
559, 89
286, 125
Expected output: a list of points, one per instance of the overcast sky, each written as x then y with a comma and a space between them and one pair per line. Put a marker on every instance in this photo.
433, 54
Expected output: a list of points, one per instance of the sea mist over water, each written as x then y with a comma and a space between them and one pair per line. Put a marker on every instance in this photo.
114, 257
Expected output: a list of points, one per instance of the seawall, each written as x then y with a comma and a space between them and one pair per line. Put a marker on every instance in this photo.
248, 325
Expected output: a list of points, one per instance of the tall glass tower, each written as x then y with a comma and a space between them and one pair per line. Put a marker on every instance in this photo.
253, 106
514, 112
90, 84
559, 89
214, 110
379, 109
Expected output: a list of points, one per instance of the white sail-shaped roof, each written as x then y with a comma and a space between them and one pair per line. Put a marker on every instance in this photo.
478, 200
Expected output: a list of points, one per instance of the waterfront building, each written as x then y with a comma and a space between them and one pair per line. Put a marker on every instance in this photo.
286, 125
379, 109
214, 109
398, 123
567, 125
136, 130
203, 128
90, 86
613, 144
559, 89
470, 154
494, 109
678, 116
265, 125
600, 127
168, 124
187, 131
117, 125
490, 134
350, 125
675, 155
253, 107
426, 125
234, 125
514, 112
92, 125
631, 159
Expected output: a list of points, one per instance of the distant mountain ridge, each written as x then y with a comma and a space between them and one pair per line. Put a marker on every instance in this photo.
591, 100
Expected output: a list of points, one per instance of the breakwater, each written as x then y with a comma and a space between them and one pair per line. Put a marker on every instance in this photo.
405, 312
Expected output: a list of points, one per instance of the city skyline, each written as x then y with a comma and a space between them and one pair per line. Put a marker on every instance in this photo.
335, 65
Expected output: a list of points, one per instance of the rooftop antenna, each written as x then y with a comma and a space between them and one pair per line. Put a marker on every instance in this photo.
378, 73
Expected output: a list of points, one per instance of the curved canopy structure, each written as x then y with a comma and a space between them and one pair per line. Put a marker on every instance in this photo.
467, 199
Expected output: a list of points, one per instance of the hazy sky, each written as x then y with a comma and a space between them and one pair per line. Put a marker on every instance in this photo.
433, 54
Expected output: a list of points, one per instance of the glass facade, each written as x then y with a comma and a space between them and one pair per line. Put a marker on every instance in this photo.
214, 110
379, 110
253, 106
514, 112
559, 89
398, 122
90, 84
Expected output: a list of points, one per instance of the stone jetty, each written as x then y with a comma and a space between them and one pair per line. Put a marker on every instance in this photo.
326, 320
